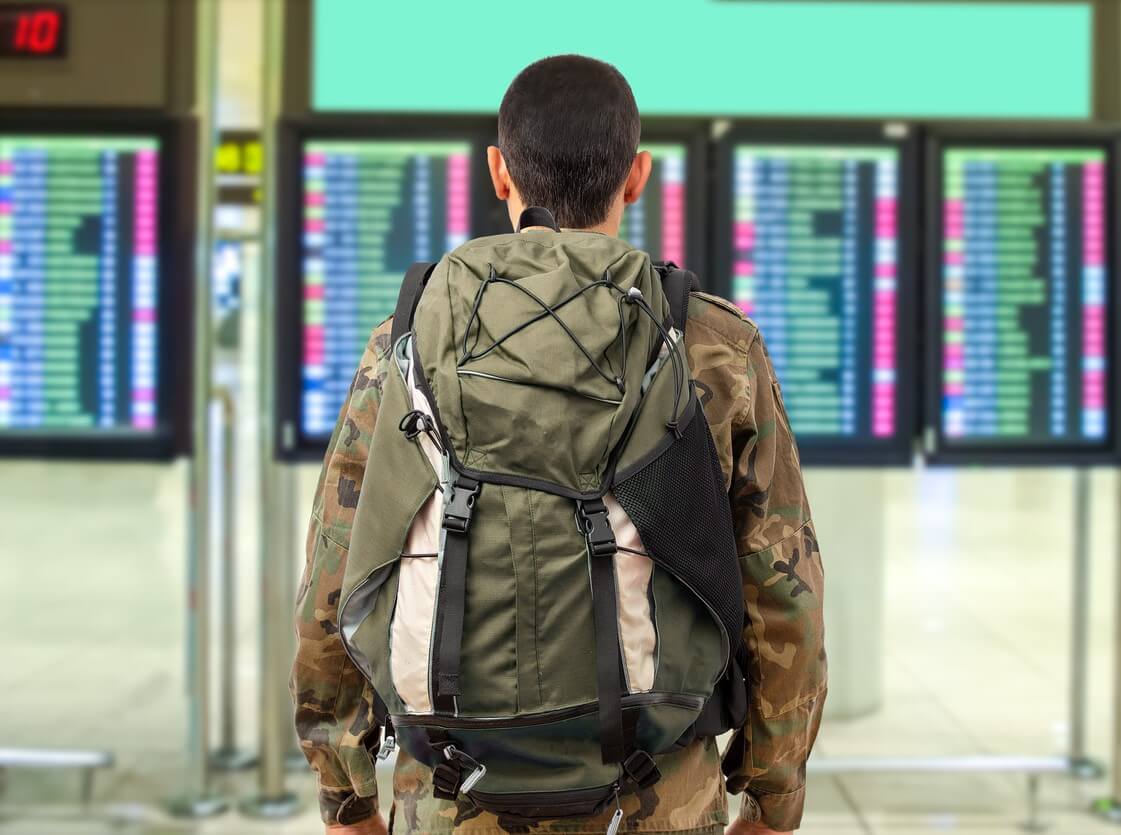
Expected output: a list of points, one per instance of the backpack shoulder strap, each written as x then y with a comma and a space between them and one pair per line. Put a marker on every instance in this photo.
416, 277
677, 284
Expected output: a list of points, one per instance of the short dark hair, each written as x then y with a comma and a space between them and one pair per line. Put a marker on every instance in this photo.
568, 128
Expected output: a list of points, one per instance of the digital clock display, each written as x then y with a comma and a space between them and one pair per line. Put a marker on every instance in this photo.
32, 30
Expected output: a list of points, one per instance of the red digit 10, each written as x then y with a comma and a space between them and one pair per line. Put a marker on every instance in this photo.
37, 32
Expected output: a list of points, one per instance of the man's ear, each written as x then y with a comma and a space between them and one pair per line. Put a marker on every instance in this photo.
638, 176
499, 176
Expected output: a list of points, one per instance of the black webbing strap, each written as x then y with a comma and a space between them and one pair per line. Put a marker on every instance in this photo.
537, 216
451, 594
677, 284
409, 296
596, 528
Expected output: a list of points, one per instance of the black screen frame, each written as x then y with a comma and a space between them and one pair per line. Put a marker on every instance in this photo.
488, 217
899, 450
176, 206
937, 449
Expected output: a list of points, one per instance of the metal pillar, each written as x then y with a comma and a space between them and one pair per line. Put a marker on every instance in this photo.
228, 757
1081, 765
1110, 807
278, 571
1033, 823
197, 799
854, 618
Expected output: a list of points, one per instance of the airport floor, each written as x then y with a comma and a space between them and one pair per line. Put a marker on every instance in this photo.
977, 581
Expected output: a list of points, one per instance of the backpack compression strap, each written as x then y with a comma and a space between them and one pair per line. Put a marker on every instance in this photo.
677, 284
416, 277
616, 731
600, 539
451, 594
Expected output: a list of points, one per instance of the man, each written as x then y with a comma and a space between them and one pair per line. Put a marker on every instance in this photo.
568, 136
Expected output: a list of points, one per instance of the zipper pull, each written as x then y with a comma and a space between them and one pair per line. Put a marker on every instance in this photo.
617, 818
389, 743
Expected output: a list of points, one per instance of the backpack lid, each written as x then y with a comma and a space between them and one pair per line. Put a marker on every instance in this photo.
533, 356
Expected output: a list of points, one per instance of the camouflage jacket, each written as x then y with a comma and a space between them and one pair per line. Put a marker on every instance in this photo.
782, 585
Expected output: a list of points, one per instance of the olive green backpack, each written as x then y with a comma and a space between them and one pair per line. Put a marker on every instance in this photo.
542, 584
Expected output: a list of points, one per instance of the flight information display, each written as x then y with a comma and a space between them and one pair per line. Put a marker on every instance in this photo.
815, 247
656, 222
79, 285
370, 209
1024, 327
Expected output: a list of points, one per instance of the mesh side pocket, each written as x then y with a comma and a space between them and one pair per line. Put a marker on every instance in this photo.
677, 502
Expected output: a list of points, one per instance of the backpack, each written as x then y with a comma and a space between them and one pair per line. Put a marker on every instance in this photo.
542, 584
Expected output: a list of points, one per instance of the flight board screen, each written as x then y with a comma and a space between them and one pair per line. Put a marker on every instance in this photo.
817, 262
1023, 299
370, 209
79, 287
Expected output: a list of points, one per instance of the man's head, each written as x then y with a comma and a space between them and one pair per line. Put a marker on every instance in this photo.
568, 131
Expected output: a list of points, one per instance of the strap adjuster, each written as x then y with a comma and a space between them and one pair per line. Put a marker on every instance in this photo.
446, 781
593, 522
461, 504
641, 769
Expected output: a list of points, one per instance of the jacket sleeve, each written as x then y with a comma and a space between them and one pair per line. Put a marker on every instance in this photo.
781, 569
334, 703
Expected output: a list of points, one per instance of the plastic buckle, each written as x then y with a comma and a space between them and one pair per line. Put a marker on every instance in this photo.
596, 528
641, 769
460, 506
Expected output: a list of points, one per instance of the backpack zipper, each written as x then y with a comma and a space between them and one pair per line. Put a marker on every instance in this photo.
405, 368
565, 797
546, 717
463, 373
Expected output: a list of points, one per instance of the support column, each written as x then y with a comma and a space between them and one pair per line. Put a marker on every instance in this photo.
854, 613
198, 799
278, 550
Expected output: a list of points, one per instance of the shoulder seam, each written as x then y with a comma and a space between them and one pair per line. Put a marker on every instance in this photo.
724, 338
724, 304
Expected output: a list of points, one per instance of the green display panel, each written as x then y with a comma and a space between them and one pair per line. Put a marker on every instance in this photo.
1025, 325
815, 264
370, 209
709, 57
79, 286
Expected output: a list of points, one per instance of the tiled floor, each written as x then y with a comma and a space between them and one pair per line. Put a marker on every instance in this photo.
92, 614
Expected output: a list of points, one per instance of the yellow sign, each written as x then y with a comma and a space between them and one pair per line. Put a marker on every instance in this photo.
238, 152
